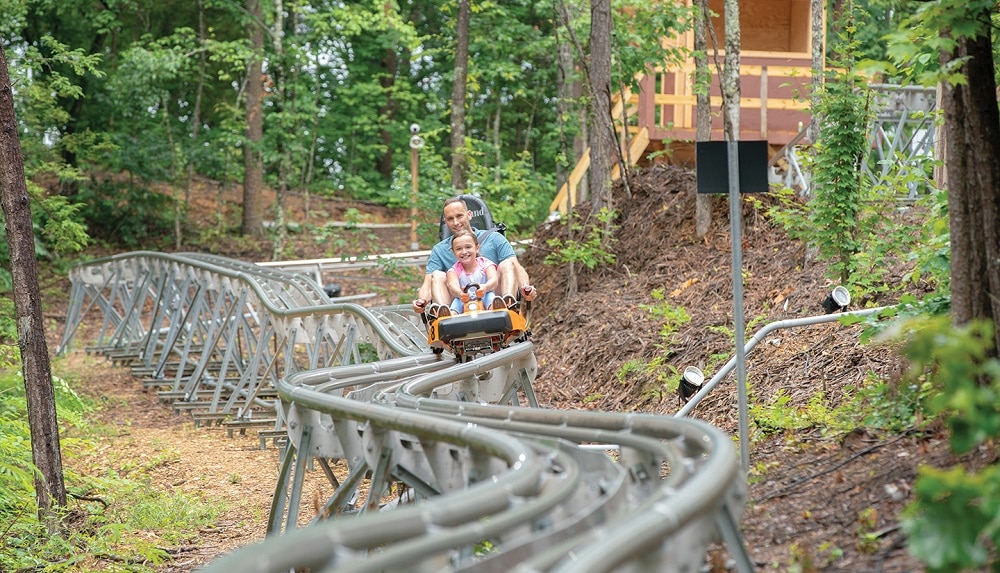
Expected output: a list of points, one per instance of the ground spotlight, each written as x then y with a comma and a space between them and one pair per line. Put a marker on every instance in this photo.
837, 300
691, 381
332, 290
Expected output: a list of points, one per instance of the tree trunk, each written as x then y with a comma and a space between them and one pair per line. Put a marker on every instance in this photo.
458, 95
731, 72
703, 121
818, 63
603, 140
565, 102
253, 176
731, 81
972, 127
497, 148
175, 191
390, 66
285, 103
45, 452
195, 114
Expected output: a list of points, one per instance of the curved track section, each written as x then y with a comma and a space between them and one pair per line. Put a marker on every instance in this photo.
445, 471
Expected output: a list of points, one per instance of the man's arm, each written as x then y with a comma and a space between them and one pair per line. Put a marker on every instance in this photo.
428, 289
424, 292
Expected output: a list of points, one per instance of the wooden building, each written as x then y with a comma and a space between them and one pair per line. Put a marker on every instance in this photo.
775, 80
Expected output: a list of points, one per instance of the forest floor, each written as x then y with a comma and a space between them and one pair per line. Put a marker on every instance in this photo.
816, 502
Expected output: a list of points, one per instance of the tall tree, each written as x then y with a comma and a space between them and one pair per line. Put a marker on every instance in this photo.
253, 175
195, 115
703, 121
50, 489
602, 142
731, 73
572, 126
959, 32
458, 89
972, 133
818, 65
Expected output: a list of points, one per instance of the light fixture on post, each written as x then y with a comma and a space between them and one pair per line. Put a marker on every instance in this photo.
416, 142
691, 381
837, 300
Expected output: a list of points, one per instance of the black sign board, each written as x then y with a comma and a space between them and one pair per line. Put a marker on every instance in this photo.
712, 166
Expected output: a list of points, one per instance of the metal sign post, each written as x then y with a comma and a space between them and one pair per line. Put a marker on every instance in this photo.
748, 177
738, 327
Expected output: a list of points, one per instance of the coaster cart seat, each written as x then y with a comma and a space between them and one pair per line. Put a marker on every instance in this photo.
476, 331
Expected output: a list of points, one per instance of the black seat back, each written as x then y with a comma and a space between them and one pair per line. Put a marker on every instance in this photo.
481, 217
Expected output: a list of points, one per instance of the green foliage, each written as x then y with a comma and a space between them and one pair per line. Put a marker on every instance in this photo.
952, 526
867, 534
851, 221
909, 307
593, 249
780, 415
934, 28
931, 251
345, 242
126, 214
16, 467
791, 212
952, 523
9, 352
659, 376
672, 317
638, 43
43, 74
839, 187
134, 525
891, 407
517, 195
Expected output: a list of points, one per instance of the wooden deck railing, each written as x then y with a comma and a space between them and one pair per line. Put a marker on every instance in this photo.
774, 105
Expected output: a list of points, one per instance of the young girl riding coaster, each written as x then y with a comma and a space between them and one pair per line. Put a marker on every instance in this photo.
471, 269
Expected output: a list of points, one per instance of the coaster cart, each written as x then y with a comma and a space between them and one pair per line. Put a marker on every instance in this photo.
478, 331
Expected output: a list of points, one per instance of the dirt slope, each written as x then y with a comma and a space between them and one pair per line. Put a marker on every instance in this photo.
815, 504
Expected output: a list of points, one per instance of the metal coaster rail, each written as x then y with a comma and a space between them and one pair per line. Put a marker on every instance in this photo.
450, 467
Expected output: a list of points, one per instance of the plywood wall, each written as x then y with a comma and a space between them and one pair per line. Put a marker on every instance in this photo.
768, 25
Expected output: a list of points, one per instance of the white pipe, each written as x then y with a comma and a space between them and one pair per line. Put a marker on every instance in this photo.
757, 338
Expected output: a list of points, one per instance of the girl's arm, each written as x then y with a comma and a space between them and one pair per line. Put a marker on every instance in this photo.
451, 281
492, 278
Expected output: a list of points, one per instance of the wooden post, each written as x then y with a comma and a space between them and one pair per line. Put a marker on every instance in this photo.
763, 102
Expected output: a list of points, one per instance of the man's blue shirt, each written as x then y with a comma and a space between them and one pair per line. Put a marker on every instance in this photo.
494, 247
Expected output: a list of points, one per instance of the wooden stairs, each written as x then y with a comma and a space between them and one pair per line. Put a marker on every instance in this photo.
633, 148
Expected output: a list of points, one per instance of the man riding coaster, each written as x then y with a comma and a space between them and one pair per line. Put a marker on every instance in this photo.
433, 296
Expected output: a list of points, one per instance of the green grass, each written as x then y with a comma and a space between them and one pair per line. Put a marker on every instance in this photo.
113, 522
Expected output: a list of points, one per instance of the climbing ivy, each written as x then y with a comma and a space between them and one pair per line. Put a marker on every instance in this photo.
835, 209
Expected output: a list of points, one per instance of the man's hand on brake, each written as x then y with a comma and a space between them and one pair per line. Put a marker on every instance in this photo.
528, 292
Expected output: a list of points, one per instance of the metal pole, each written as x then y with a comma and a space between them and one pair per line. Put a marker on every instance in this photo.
738, 327
414, 244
